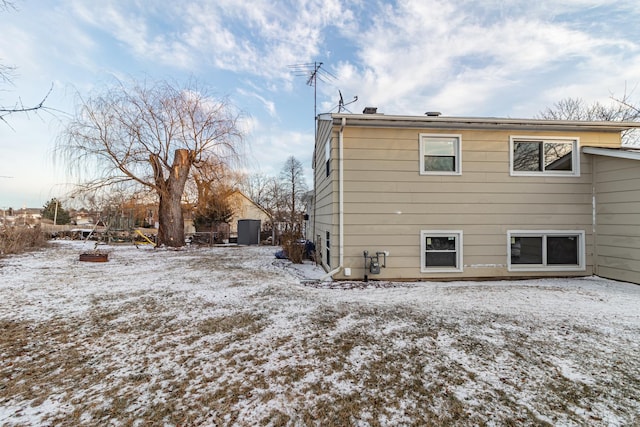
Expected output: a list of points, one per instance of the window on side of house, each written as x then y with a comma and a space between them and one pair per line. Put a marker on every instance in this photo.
546, 250
327, 155
549, 156
328, 246
440, 154
441, 251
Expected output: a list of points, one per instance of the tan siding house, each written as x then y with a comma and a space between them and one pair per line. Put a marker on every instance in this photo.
431, 198
617, 213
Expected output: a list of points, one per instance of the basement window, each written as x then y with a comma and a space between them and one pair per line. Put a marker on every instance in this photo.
546, 250
549, 156
440, 154
441, 251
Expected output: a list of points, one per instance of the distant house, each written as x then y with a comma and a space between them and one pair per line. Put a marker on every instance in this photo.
432, 198
83, 217
24, 216
245, 208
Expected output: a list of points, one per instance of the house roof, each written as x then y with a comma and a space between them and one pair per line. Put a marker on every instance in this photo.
241, 194
492, 123
622, 153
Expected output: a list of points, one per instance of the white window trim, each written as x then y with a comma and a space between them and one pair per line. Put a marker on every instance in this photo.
458, 154
543, 267
575, 158
441, 233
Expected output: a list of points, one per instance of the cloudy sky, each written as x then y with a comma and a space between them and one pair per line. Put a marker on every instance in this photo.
507, 58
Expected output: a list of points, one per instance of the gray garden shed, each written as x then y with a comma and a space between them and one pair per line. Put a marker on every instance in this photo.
248, 231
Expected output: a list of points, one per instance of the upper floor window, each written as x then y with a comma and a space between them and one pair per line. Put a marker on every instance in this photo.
548, 156
440, 154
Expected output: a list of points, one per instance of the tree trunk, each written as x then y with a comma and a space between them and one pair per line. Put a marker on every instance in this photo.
170, 218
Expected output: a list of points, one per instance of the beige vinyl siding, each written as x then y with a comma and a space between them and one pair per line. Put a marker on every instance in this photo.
388, 202
617, 192
325, 216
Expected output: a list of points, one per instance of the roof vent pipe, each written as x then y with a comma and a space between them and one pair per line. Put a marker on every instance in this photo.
433, 113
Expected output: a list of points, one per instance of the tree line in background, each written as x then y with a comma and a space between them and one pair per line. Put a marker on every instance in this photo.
619, 110
207, 201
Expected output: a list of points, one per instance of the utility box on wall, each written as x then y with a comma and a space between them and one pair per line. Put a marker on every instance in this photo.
248, 231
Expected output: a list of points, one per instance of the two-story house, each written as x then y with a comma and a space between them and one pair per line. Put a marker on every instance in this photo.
432, 198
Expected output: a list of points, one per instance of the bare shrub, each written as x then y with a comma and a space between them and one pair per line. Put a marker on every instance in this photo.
15, 240
292, 247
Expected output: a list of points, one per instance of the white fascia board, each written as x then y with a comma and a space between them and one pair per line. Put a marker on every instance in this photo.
620, 153
440, 122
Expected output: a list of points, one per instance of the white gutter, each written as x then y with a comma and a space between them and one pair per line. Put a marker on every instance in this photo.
483, 122
341, 200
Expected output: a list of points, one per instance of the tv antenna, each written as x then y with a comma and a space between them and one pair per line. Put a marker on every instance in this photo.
313, 71
341, 104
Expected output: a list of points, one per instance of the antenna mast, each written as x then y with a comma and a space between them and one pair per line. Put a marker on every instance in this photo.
313, 71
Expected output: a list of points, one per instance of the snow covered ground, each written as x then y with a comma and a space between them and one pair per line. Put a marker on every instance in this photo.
232, 336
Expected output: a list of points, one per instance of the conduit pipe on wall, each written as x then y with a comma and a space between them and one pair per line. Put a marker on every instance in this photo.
340, 200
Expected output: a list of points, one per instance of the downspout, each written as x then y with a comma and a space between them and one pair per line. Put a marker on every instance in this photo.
340, 200
594, 216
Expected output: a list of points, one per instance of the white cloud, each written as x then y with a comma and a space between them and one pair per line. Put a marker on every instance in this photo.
461, 56
268, 147
260, 37
267, 104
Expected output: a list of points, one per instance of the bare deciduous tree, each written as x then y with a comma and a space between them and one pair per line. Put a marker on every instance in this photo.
255, 186
620, 109
211, 176
292, 177
214, 183
152, 135
6, 77
6, 4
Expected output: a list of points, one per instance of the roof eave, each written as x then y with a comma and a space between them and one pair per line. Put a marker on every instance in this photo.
491, 123
621, 153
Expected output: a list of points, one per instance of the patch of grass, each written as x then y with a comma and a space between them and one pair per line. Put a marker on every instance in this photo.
242, 325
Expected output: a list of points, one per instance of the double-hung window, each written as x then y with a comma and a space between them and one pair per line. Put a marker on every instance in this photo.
546, 250
548, 156
441, 251
440, 154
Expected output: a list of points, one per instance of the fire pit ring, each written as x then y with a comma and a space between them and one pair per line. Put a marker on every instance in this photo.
92, 257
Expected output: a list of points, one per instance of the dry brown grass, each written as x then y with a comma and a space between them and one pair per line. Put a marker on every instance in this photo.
127, 365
